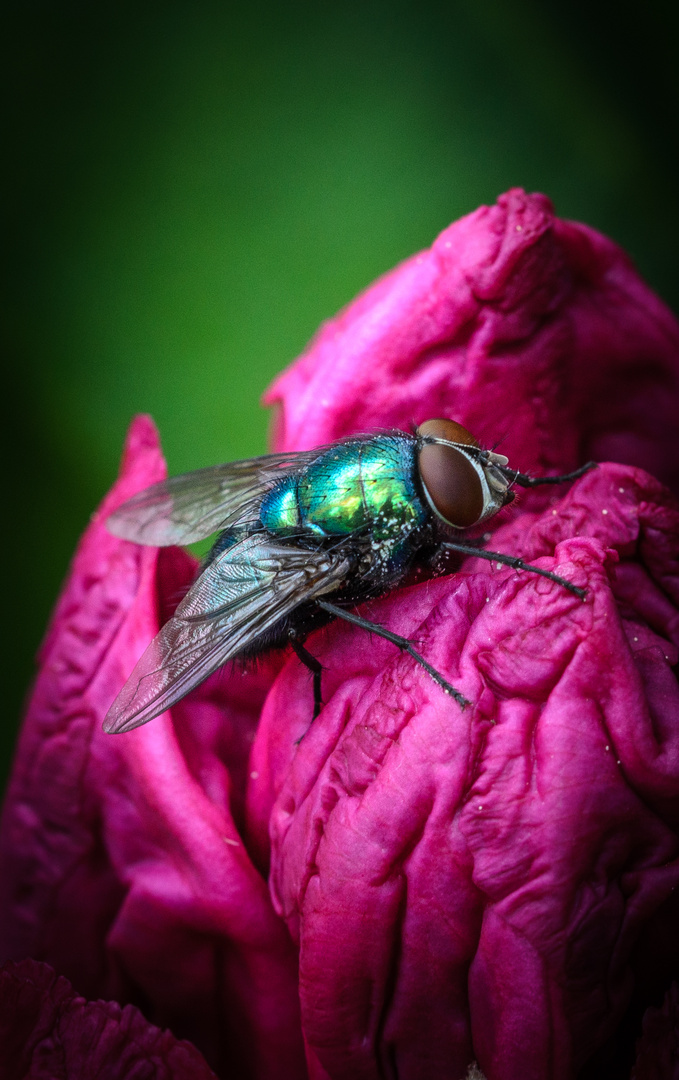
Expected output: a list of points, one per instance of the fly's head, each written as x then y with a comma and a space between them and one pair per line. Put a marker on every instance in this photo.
462, 483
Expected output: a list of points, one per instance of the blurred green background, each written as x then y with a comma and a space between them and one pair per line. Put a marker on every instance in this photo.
190, 188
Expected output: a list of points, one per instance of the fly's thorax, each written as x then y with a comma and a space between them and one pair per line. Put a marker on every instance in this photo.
361, 486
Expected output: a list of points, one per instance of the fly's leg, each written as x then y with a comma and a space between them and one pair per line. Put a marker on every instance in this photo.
400, 642
316, 669
512, 560
534, 481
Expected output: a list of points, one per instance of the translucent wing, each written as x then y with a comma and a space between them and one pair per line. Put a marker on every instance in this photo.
192, 506
238, 597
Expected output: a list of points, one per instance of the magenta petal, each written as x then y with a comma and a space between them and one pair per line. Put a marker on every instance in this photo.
522, 327
51, 821
47, 1030
121, 863
473, 885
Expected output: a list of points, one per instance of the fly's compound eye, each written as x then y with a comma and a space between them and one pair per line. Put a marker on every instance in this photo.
452, 484
448, 430
462, 483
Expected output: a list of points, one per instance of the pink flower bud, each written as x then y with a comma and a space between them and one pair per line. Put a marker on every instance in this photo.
402, 887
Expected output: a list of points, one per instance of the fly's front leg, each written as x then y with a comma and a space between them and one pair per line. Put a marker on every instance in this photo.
400, 642
316, 669
535, 481
513, 561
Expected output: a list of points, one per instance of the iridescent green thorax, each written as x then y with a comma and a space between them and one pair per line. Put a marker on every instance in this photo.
367, 485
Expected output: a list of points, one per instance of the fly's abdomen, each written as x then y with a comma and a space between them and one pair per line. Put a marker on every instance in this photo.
361, 486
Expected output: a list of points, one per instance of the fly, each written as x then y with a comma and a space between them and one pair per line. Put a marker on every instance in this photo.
303, 538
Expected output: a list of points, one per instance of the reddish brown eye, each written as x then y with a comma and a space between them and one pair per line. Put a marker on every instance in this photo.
448, 430
452, 484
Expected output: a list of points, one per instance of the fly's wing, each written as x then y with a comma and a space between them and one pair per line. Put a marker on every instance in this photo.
192, 506
242, 594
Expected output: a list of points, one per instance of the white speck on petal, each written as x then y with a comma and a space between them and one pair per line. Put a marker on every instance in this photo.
254, 776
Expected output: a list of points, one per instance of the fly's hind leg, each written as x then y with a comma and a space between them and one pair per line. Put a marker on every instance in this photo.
316, 669
512, 560
400, 642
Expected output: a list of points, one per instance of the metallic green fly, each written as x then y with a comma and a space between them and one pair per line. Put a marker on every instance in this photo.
304, 538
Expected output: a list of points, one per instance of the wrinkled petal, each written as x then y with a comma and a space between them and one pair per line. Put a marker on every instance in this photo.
121, 862
47, 1030
522, 327
472, 885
